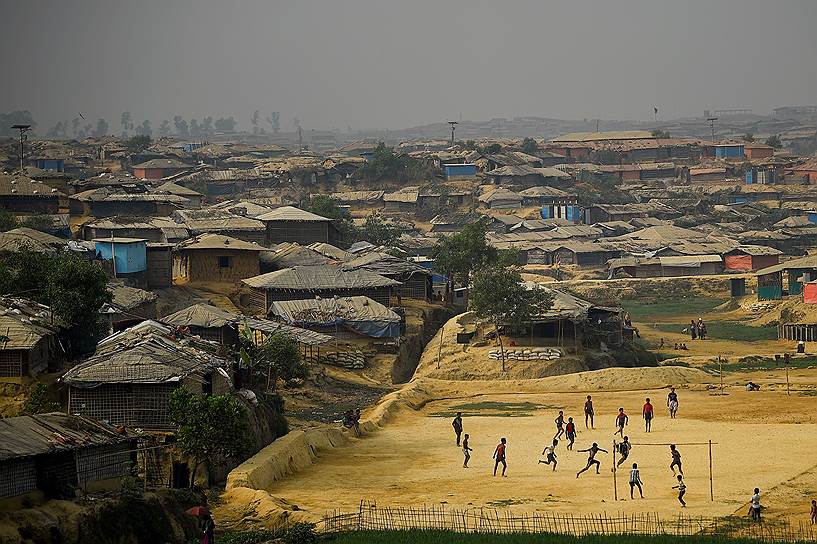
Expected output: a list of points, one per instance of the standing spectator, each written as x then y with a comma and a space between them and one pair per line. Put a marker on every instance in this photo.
466, 451
648, 414
457, 424
635, 481
755, 507
814, 512
693, 330
672, 403
588, 412
701, 329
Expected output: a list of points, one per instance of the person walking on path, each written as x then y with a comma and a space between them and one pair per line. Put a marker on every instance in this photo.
682, 489
550, 453
588, 412
457, 424
635, 481
208, 528
570, 433
693, 330
755, 507
621, 422
624, 449
499, 455
676, 459
466, 451
591, 458
648, 412
560, 424
672, 403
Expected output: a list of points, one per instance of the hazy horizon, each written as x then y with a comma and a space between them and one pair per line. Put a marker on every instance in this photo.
376, 65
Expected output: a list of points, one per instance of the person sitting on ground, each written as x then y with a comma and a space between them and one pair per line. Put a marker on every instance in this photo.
752, 386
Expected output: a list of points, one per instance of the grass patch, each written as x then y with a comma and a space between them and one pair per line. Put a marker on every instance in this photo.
495, 409
501, 503
447, 537
726, 330
656, 310
753, 363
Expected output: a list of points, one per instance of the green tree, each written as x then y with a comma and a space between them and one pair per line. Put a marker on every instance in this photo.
749, 137
39, 401
101, 128
774, 141
7, 221
499, 297
530, 146
278, 357
42, 223
458, 256
138, 143
660, 134
225, 124
74, 288
211, 428
386, 164
491, 149
326, 206
378, 232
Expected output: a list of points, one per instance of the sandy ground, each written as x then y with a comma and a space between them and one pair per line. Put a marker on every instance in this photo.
413, 460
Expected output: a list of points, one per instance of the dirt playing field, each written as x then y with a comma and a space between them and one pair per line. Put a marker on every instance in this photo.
762, 439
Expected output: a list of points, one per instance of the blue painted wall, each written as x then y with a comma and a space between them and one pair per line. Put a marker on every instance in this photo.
728, 151
130, 256
50, 164
460, 170
572, 213
812, 217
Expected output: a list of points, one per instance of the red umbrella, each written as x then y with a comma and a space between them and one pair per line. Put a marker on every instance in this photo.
198, 511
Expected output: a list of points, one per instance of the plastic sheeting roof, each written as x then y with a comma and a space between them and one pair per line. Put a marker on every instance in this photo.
359, 313
313, 278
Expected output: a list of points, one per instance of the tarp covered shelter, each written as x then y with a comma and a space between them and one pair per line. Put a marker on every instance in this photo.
360, 314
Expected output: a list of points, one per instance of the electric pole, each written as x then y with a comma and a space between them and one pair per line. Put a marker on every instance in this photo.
453, 127
23, 129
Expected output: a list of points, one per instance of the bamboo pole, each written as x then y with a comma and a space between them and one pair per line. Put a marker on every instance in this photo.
711, 483
615, 480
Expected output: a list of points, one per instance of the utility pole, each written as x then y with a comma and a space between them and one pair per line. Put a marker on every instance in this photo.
711, 121
453, 127
23, 129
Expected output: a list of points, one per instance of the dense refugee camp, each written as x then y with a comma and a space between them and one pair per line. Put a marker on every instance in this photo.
406, 272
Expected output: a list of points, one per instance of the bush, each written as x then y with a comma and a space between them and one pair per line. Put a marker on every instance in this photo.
257, 536
300, 533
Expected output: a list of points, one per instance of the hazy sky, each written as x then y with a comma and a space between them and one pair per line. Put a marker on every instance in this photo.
392, 64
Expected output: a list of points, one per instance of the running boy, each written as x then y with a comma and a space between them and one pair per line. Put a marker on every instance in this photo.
550, 452
682, 489
588, 412
648, 414
676, 459
570, 432
635, 481
591, 458
624, 449
466, 451
560, 423
499, 455
621, 422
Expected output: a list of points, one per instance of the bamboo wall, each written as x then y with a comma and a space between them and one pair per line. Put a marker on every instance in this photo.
203, 265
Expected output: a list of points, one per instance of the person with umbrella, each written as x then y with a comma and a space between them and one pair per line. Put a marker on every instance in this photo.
206, 524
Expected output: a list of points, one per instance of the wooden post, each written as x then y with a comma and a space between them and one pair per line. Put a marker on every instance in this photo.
786, 359
615, 481
711, 484
720, 366
440, 350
